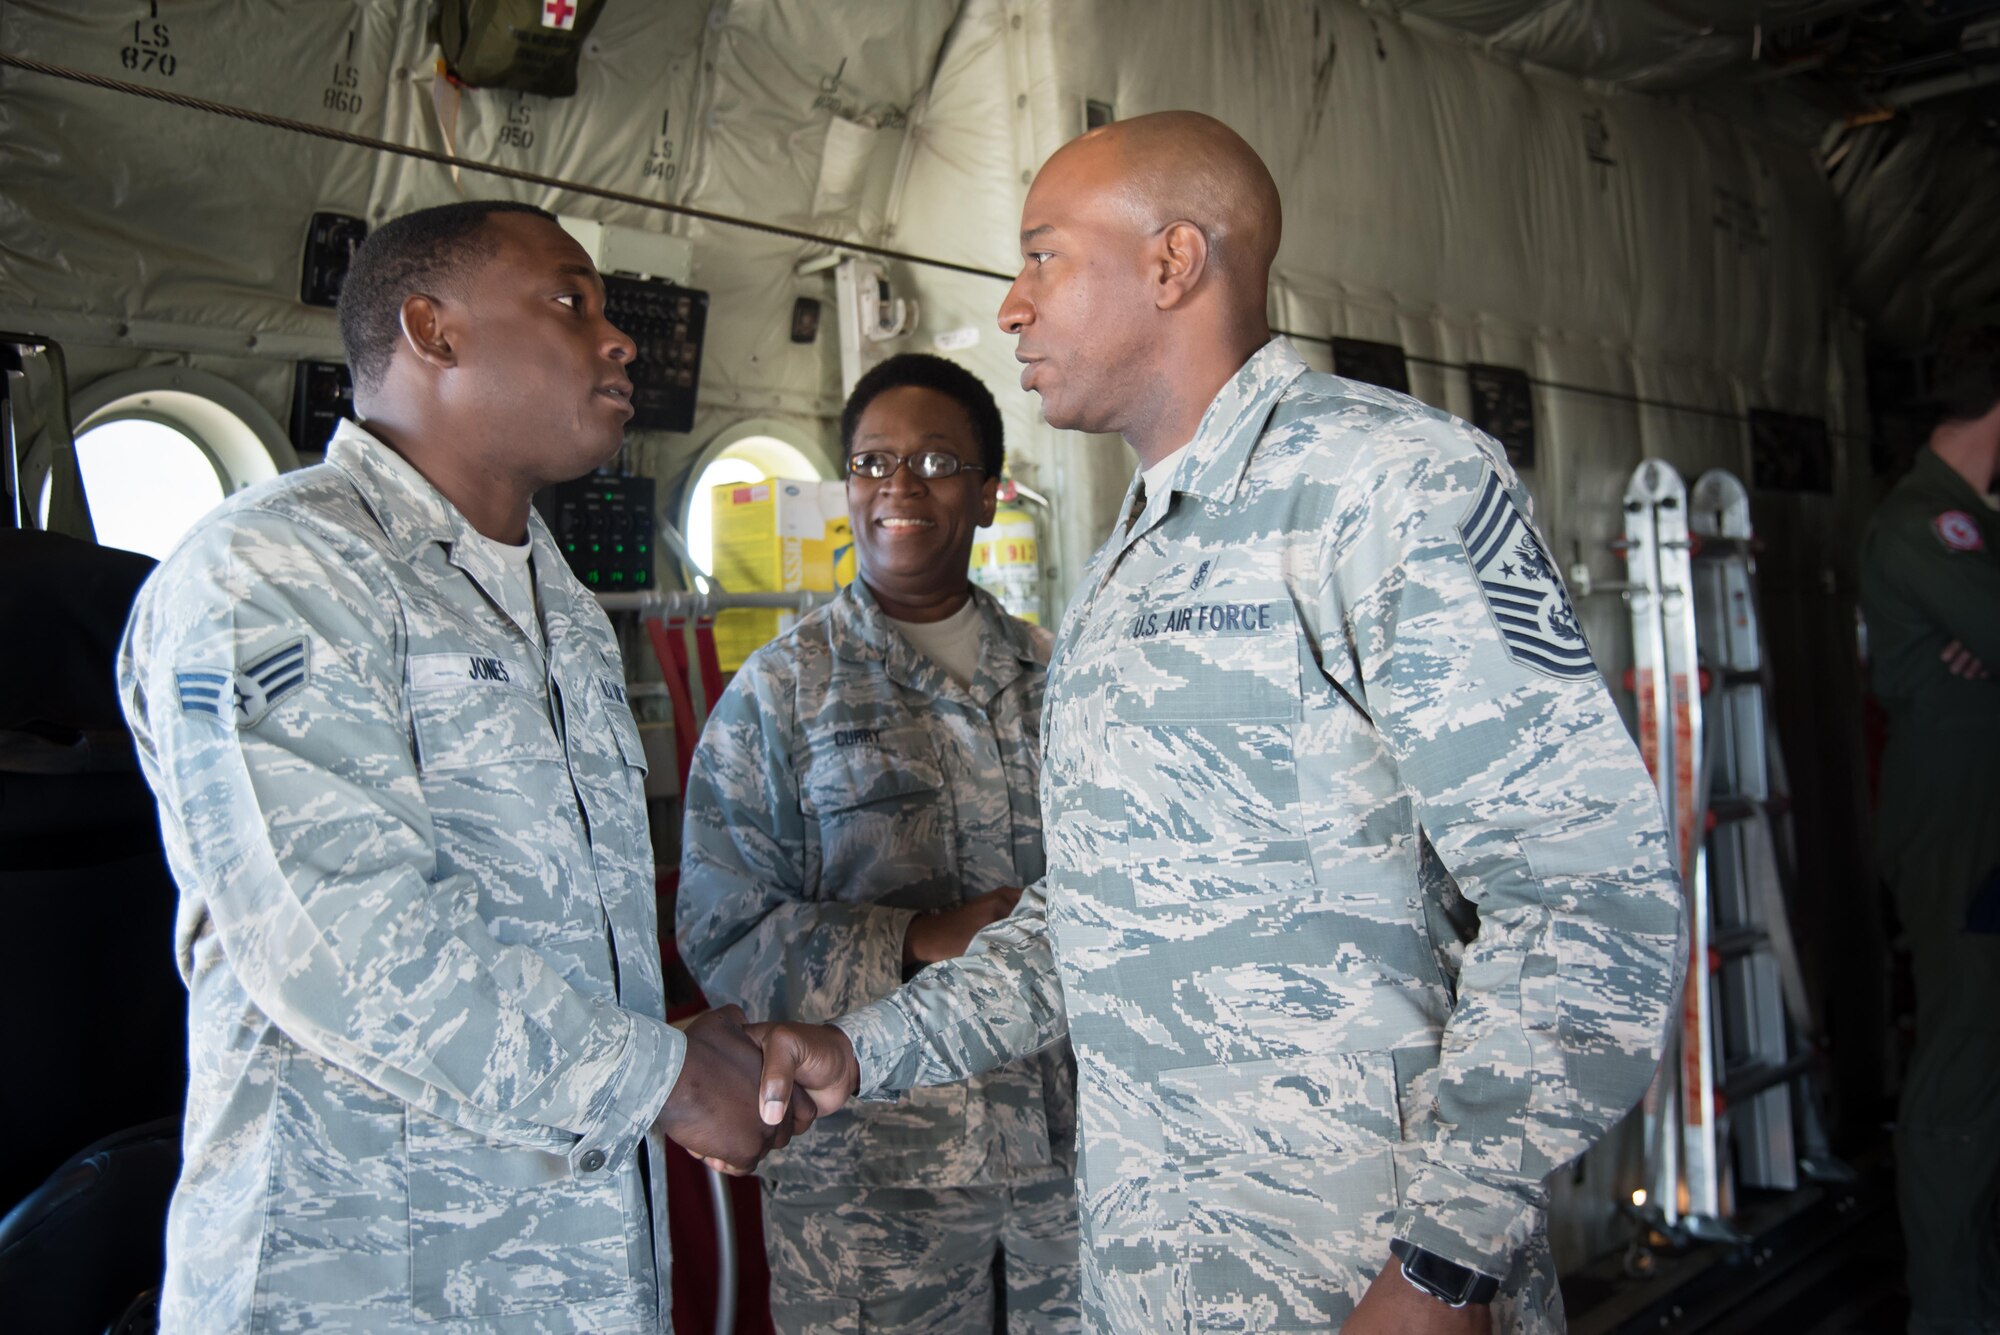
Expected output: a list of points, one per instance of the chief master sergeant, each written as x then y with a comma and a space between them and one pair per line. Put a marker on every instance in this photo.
1359, 909
400, 791
1930, 590
862, 801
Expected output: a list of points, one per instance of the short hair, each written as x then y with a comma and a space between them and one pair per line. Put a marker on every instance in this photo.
423, 251
1965, 377
947, 378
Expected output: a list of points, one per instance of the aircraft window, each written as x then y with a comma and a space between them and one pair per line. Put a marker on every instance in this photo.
724, 472
160, 446
146, 483
749, 458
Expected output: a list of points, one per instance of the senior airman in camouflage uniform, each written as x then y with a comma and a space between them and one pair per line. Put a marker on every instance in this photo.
849, 791
1359, 910
401, 794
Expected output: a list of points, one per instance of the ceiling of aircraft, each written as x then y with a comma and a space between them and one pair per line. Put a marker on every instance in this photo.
1901, 98
1845, 56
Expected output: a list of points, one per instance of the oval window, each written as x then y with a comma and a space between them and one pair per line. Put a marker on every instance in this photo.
145, 482
158, 447
748, 459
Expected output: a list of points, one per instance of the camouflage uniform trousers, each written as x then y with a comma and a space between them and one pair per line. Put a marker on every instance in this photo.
920, 1260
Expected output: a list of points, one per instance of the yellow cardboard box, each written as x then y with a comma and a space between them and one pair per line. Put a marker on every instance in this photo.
776, 536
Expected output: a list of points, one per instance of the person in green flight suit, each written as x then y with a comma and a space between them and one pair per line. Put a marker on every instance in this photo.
1930, 593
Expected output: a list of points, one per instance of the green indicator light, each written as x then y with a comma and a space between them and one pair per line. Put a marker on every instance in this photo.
617, 546
596, 546
638, 577
569, 546
640, 548
617, 577
591, 575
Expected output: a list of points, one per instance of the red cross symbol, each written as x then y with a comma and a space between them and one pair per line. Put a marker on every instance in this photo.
558, 14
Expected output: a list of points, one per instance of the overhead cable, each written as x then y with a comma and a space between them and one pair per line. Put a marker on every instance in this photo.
448, 161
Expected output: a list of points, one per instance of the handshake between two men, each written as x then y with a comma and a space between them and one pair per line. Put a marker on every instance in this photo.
790, 1073
745, 1090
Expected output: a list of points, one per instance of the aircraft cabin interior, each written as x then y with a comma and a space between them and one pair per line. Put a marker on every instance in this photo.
1447, 774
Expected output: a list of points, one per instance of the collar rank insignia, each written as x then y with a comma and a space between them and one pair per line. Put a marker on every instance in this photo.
1523, 593
243, 697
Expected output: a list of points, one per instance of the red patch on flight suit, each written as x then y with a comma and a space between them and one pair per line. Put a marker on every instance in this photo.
1957, 531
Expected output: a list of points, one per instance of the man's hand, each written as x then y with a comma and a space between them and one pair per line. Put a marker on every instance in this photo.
1394, 1306
931, 937
816, 1058
1958, 661
711, 1111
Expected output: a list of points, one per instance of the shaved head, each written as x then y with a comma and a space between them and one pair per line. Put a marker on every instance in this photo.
1174, 166
1146, 248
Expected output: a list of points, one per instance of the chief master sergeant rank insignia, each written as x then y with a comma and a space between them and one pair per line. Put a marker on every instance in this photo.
1523, 593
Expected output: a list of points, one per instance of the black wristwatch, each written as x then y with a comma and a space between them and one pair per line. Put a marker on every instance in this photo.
1447, 1281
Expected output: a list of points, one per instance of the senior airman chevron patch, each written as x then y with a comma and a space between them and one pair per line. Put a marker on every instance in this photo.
1523, 592
242, 697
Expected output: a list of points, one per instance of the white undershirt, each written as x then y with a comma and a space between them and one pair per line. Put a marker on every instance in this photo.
953, 643
505, 565
514, 579
1161, 473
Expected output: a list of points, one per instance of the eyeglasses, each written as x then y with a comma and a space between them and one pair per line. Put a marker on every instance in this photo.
930, 465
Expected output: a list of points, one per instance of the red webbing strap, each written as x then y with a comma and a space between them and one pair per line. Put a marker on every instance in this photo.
710, 662
671, 652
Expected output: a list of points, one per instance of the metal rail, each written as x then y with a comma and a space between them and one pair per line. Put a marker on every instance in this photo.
725, 1252
684, 602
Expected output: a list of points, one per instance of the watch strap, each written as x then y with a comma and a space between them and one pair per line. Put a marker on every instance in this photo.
1445, 1280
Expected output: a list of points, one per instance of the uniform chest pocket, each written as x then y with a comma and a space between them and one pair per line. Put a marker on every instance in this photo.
480, 725
1201, 731
884, 821
631, 749
605, 745
599, 677
494, 783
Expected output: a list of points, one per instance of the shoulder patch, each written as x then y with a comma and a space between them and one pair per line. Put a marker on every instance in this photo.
243, 697
1958, 531
1524, 596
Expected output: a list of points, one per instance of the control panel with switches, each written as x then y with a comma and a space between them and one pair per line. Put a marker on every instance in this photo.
604, 525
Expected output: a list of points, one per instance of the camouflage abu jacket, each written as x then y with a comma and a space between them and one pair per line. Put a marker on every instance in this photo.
1359, 910
844, 784
417, 922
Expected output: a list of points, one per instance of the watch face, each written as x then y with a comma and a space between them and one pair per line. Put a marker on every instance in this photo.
1447, 1281
1443, 1278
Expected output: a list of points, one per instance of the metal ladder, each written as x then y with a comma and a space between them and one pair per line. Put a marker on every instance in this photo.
1721, 1112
